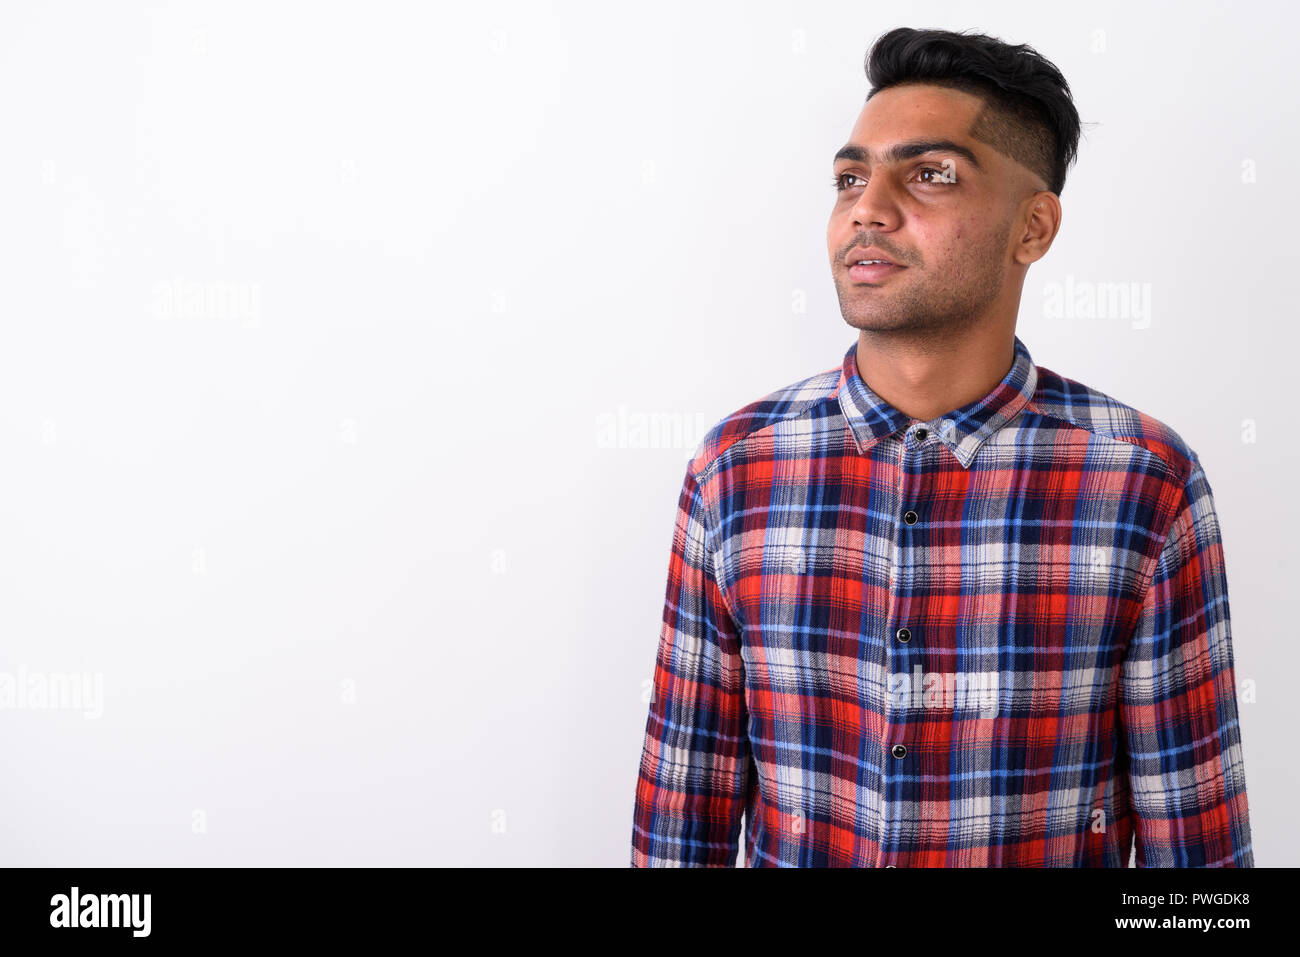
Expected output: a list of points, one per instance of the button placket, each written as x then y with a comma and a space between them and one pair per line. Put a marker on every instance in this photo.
895, 751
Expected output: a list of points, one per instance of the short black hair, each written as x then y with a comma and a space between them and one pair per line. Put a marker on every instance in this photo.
1029, 114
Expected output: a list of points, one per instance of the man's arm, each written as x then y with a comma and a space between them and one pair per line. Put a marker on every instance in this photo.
695, 763
1178, 703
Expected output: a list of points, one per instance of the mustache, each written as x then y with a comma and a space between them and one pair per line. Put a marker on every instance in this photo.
867, 243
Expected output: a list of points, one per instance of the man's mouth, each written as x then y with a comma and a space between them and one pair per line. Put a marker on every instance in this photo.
869, 270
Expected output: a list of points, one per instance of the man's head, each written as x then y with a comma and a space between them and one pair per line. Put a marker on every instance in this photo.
952, 173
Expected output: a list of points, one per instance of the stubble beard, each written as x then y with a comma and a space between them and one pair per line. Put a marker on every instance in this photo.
906, 304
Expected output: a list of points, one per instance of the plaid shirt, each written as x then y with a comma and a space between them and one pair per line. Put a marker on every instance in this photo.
998, 638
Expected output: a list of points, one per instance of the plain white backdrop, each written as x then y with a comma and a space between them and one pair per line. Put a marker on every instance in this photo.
352, 354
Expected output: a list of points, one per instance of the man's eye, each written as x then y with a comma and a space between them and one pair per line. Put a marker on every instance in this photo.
940, 176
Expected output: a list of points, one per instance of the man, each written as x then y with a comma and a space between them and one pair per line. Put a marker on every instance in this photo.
938, 605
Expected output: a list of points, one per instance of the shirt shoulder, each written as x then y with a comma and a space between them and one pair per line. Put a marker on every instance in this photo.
1083, 407
728, 435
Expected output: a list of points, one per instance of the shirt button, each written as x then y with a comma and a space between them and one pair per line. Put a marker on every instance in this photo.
910, 517
899, 750
922, 435
904, 634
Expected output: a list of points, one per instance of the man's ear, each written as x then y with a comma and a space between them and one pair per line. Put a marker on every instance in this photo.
1041, 215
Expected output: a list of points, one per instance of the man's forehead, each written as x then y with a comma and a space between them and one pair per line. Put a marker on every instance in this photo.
915, 112
929, 101
902, 123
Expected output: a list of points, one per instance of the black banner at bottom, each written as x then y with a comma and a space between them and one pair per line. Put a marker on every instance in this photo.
372, 906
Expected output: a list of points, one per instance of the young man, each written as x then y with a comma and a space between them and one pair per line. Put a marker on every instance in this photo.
938, 605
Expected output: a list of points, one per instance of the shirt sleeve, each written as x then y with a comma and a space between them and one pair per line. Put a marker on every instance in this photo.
695, 764
1178, 703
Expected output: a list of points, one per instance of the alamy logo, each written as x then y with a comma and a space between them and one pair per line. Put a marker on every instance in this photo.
53, 690
101, 910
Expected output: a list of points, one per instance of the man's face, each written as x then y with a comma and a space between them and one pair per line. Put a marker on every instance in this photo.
943, 217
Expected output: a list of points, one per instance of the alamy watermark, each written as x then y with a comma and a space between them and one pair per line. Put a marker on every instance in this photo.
223, 301
1082, 299
52, 691
624, 429
945, 690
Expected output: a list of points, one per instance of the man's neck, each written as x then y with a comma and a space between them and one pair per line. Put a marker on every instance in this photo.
925, 379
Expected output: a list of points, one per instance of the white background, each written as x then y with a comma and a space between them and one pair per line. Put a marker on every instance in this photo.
313, 313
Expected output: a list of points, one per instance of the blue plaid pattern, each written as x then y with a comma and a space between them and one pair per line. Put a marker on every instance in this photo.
997, 638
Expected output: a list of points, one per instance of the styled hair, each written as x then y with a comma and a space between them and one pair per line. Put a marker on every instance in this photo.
1028, 115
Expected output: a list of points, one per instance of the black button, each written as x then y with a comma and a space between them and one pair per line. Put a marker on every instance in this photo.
899, 750
910, 517
904, 634
922, 435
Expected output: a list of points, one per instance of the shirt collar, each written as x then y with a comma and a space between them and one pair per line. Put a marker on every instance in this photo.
963, 430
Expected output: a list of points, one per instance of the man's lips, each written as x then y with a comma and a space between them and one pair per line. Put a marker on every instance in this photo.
880, 265
859, 253
873, 272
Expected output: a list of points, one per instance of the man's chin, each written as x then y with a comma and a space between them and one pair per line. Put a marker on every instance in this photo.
876, 321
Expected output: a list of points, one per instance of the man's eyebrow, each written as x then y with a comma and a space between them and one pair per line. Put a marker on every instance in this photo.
901, 152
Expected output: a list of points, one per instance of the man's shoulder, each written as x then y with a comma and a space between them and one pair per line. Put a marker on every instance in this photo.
1101, 414
1056, 397
786, 404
